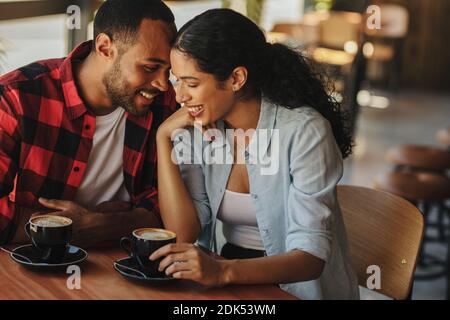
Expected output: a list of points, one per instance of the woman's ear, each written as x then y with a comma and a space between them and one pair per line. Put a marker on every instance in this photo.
239, 78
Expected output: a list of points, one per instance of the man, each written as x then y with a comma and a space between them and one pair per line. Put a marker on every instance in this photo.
77, 135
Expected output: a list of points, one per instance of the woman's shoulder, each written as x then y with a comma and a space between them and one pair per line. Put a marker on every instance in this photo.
302, 120
304, 129
302, 113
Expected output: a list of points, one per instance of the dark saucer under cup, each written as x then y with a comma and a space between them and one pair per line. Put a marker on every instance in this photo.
128, 268
28, 257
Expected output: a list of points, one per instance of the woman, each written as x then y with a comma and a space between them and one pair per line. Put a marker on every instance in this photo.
281, 218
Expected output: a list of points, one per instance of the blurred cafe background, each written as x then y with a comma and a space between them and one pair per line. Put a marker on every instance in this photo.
387, 61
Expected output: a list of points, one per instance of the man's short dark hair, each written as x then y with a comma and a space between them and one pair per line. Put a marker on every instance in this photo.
120, 19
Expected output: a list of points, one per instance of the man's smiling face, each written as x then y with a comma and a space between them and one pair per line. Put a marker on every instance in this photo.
140, 73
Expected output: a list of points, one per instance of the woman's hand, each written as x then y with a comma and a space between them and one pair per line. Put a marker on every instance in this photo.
180, 119
187, 261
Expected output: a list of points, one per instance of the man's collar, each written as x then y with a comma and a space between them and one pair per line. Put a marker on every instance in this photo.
75, 106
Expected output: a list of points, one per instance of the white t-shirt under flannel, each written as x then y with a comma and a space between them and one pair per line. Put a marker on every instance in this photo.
103, 179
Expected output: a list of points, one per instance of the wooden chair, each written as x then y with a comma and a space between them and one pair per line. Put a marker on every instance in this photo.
383, 230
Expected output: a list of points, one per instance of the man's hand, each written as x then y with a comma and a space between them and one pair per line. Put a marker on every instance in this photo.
84, 221
67, 209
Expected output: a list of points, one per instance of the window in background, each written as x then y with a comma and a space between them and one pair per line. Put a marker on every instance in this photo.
186, 10
281, 11
27, 40
268, 12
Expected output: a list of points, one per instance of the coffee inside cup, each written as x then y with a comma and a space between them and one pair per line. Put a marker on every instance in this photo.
51, 221
154, 234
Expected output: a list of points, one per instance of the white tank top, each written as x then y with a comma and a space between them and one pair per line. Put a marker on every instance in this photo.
239, 220
103, 179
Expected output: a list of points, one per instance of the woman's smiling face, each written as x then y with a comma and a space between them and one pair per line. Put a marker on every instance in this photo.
207, 99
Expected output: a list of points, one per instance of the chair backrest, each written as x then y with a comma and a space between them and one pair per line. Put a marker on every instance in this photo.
383, 230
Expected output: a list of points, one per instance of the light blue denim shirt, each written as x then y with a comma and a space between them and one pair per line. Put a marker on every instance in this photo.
293, 171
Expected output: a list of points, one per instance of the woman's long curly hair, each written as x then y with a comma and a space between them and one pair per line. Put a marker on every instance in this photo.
219, 40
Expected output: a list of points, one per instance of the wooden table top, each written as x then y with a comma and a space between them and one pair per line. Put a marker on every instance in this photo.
100, 281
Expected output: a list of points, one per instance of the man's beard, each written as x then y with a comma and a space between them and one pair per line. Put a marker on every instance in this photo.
119, 91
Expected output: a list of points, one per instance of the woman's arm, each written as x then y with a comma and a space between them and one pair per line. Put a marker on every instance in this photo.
187, 261
177, 208
293, 266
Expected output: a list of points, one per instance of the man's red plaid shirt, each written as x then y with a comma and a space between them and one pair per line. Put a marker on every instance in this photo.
46, 135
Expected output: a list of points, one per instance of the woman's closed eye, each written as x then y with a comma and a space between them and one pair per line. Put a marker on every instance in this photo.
185, 81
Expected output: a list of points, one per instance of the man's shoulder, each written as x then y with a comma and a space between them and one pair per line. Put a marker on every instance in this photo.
21, 90
35, 71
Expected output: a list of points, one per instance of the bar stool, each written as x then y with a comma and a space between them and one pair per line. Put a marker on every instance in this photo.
420, 157
424, 189
423, 158
415, 186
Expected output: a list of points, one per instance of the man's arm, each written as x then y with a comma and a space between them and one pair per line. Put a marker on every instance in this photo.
109, 223
109, 227
97, 228
9, 158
